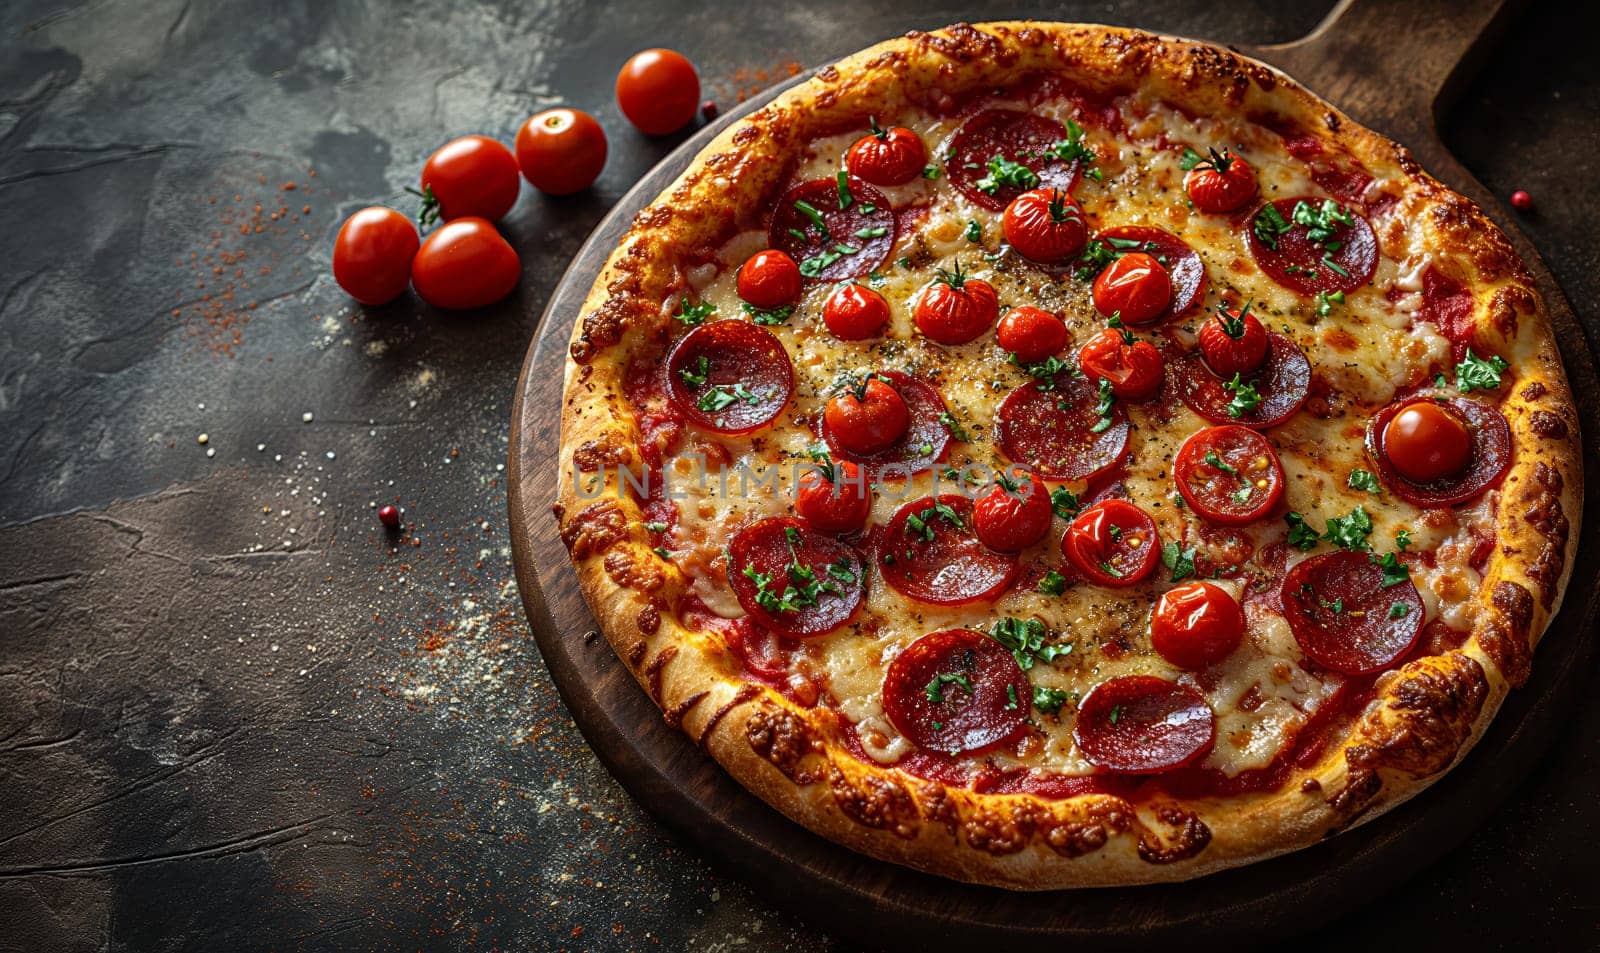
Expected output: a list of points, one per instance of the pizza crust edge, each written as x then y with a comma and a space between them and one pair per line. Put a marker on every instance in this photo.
1426, 715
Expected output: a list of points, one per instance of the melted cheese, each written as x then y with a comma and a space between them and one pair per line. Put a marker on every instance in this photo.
1367, 349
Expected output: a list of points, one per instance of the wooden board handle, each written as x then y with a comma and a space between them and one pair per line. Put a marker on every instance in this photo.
1394, 65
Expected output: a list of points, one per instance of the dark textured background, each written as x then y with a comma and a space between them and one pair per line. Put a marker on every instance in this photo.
234, 714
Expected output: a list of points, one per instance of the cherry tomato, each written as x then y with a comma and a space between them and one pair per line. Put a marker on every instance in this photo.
465, 264
855, 312
867, 418
1134, 287
1230, 475
659, 91
1014, 514
1113, 543
769, 279
888, 156
1426, 442
1032, 334
834, 498
561, 151
955, 309
1221, 182
1045, 225
1196, 624
1134, 367
471, 176
1233, 342
372, 255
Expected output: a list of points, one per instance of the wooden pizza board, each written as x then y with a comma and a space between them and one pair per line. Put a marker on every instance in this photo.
1392, 66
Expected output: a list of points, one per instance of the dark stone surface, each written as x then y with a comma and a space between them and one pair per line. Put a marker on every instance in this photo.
234, 714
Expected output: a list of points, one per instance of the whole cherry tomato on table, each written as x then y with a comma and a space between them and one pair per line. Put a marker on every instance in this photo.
867, 417
561, 151
1032, 334
835, 497
769, 279
1135, 286
372, 255
854, 312
1196, 624
1133, 367
1219, 182
888, 156
1426, 442
470, 176
955, 309
659, 91
1233, 342
465, 264
1045, 225
1113, 543
1014, 513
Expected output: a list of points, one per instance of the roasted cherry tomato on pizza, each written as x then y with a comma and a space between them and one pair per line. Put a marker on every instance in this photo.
372, 255
1426, 441
1196, 624
659, 91
1113, 543
867, 416
1229, 475
769, 279
887, 157
1031, 334
954, 308
1218, 181
1439, 451
471, 176
561, 151
1014, 513
465, 264
1135, 287
1233, 341
1045, 225
855, 312
1133, 367
834, 496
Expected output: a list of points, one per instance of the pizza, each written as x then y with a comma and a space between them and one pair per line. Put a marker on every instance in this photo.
1053, 456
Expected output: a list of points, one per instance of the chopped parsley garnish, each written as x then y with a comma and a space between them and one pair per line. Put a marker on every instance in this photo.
1094, 259
1363, 480
1476, 373
810, 211
693, 314
1327, 260
1064, 502
1269, 224
841, 571
1326, 300
1402, 539
1350, 531
1394, 571
1301, 536
930, 172
663, 552
844, 249
1123, 244
1220, 464
723, 396
1241, 496
1072, 149
974, 232
1103, 408
1053, 583
1004, 172
1116, 714
935, 688
778, 315
655, 527
918, 522
1050, 700
814, 266
1245, 397
844, 190
1045, 371
873, 231
954, 426
1025, 639
1011, 697
1321, 222
1179, 560
694, 376
1399, 610
1111, 570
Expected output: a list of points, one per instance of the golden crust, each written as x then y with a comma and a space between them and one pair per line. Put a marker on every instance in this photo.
1425, 715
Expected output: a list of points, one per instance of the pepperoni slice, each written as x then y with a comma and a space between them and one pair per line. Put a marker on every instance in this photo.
930, 552
833, 237
1013, 136
793, 580
927, 439
1300, 264
1183, 264
1141, 724
1230, 475
1345, 618
957, 691
1051, 427
730, 376
1281, 383
1491, 453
